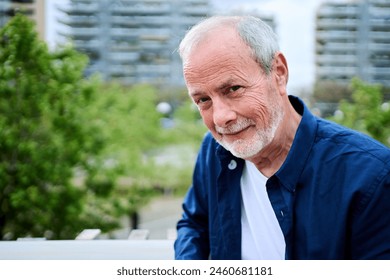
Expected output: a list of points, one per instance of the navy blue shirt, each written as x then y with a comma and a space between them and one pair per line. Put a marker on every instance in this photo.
331, 197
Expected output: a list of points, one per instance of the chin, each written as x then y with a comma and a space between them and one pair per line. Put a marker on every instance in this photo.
243, 149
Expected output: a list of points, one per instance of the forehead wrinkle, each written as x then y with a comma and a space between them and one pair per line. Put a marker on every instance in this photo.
222, 66
229, 71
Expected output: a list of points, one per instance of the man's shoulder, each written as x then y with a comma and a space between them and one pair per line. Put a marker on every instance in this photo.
330, 134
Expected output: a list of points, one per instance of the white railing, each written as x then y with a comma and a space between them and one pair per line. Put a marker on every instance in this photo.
88, 247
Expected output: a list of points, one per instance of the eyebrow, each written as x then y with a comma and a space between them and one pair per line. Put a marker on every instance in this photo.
195, 93
225, 84
228, 83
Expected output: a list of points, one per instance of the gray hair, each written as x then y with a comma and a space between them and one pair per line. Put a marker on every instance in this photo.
253, 31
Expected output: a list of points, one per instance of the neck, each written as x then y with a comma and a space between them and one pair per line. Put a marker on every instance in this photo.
272, 157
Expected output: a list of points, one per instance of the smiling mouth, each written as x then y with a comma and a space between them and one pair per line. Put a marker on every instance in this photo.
236, 128
224, 132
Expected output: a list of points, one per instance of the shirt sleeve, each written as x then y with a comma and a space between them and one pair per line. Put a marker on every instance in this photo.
371, 225
192, 231
192, 241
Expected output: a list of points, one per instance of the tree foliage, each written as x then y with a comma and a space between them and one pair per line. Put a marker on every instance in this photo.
44, 135
149, 157
367, 112
76, 153
131, 126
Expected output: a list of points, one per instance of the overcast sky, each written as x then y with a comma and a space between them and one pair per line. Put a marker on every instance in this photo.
295, 24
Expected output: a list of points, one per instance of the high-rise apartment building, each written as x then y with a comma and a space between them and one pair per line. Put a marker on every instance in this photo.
266, 17
353, 40
133, 41
35, 9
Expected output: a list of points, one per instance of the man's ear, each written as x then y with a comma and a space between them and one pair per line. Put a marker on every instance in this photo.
280, 69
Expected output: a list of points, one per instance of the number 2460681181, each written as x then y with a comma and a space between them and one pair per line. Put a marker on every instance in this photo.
241, 271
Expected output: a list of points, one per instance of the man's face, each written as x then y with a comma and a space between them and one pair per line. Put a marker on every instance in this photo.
236, 99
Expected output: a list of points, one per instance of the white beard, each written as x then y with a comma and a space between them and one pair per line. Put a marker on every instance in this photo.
247, 148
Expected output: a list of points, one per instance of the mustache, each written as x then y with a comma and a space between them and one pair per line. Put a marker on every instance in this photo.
236, 127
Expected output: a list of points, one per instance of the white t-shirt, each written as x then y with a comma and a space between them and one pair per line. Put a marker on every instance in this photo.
262, 237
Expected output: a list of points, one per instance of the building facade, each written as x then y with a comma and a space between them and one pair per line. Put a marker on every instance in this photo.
35, 9
133, 41
353, 40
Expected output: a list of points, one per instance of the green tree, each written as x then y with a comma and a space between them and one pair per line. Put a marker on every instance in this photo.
44, 136
76, 153
128, 119
367, 112
151, 159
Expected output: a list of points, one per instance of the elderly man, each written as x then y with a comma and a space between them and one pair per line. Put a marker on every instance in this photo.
272, 181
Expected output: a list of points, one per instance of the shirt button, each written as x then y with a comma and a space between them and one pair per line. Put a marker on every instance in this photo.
232, 165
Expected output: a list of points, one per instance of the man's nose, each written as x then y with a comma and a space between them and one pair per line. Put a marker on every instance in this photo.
223, 113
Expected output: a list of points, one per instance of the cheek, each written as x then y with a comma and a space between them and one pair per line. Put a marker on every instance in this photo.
256, 109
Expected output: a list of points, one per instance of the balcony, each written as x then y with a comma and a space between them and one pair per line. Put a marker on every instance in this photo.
336, 59
141, 9
130, 34
336, 35
141, 20
124, 57
336, 47
379, 36
338, 10
121, 71
154, 45
87, 44
346, 24
380, 3
83, 33
337, 71
195, 11
80, 20
116, 46
380, 11
385, 71
79, 8
192, 2
155, 69
379, 47
157, 33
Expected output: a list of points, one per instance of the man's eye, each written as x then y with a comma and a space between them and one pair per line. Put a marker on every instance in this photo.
202, 100
234, 88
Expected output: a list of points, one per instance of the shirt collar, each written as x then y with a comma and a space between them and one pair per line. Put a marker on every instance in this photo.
295, 162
